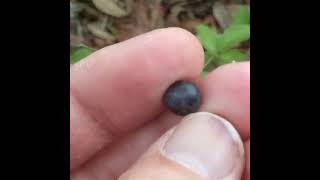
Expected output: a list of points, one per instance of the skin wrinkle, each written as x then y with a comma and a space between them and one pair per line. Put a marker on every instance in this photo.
157, 131
91, 175
108, 134
112, 130
104, 119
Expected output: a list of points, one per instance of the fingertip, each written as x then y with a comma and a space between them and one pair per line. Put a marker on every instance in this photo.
240, 70
187, 42
226, 92
176, 47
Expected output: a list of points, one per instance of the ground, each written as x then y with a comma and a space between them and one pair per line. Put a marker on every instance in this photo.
98, 23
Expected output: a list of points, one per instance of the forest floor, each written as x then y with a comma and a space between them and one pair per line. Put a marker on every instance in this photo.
99, 23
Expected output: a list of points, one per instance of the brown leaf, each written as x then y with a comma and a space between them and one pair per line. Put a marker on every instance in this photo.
145, 16
192, 24
98, 30
232, 8
112, 7
221, 15
75, 40
173, 17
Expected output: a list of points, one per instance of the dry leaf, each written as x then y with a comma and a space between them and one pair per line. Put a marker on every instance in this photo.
221, 15
232, 8
192, 24
112, 7
97, 30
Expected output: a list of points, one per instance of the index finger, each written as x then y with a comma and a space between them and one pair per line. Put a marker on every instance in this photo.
120, 87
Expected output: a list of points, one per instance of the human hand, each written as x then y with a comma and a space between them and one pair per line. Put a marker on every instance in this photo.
116, 113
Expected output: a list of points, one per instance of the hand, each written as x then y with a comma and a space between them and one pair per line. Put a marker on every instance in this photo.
117, 113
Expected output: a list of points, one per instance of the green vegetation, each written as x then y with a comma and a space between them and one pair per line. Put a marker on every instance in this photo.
79, 53
221, 48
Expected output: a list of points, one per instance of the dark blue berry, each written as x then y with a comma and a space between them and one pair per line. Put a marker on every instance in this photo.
182, 98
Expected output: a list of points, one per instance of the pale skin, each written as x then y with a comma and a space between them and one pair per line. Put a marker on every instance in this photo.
119, 128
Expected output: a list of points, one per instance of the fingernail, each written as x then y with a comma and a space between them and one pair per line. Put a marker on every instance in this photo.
206, 144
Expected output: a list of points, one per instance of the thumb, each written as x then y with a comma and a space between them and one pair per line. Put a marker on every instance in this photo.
202, 146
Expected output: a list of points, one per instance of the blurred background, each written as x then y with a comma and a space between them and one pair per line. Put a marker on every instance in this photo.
99, 23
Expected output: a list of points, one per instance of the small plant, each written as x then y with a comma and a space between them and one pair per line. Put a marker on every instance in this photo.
221, 48
80, 53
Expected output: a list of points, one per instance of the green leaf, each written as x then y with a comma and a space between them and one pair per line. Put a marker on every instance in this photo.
79, 54
233, 36
242, 16
207, 37
209, 60
207, 57
231, 56
203, 74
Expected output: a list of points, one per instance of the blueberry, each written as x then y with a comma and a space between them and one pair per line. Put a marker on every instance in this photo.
182, 98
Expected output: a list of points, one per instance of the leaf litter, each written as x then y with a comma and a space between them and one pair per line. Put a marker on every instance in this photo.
99, 23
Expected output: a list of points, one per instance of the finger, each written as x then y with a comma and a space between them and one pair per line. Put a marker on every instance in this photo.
247, 167
227, 93
116, 159
120, 87
203, 146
